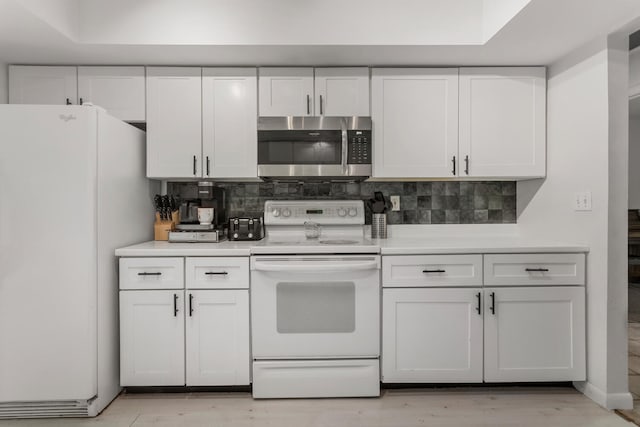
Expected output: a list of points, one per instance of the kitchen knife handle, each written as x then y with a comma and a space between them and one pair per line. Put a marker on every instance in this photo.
68, 101
194, 165
478, 309
190, 305
308, 104
536, 269
320, 104
175, 305
216, 272
493, 303
208, 166
434, 271
454, 165
155, 273
466, 164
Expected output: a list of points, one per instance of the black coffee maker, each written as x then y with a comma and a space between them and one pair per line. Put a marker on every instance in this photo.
209, 196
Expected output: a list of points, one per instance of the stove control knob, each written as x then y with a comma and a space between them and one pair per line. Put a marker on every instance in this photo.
276, 212
342, 212
352, 212
286, 213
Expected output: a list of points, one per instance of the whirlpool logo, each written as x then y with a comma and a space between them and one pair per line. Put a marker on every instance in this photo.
67, 117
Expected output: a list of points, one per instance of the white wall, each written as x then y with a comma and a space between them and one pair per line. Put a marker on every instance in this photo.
587, 151
634, 163
4, 83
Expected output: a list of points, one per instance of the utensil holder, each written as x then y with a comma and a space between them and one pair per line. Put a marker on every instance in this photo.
379, 226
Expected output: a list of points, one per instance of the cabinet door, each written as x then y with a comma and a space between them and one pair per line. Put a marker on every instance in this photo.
229, 127
42, 85
415, 122
174, 117
503, 121
342, 91
119, 90
286, 91
217, 344
534, 334
431, 335
151, 338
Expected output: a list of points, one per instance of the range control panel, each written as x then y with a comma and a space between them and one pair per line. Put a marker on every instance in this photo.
297, 212
359, 144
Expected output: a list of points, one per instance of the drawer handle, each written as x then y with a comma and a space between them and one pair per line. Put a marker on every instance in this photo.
190, 305
209, 273
529, 270
478, 295
434, 271
144, 273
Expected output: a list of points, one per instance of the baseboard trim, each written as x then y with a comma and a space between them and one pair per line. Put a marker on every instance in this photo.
607, 400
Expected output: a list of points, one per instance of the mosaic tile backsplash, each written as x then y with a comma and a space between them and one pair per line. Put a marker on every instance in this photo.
420, 202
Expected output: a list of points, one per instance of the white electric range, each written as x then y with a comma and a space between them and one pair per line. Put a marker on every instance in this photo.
315, 302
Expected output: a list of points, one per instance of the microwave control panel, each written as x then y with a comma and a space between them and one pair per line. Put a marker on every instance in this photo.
359, 147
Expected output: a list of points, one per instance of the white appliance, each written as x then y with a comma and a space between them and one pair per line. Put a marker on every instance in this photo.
72, 189
315, 303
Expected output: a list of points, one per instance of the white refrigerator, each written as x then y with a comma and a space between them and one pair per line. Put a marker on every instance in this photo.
72, 189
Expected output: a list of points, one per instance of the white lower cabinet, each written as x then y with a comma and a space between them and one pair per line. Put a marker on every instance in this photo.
177, 337
217, 337
438, 333
152, 338
534, 334
432, 335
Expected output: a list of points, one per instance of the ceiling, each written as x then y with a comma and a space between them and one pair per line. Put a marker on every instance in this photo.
304, 32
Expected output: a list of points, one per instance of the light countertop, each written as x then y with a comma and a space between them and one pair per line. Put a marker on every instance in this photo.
400, 245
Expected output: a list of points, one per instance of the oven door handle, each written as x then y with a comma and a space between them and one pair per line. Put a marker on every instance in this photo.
315, 266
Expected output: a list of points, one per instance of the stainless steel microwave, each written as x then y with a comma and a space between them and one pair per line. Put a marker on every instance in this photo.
314, 148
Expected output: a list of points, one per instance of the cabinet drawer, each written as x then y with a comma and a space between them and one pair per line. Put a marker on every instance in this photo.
534, 269
218, 273
432, 270
151, 273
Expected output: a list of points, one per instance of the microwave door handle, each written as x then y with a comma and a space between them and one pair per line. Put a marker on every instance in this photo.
345, 152
315, 267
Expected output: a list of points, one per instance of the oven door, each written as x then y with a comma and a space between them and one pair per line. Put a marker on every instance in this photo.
315, 306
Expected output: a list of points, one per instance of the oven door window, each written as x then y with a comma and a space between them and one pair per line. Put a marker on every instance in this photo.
300, 148
316, 307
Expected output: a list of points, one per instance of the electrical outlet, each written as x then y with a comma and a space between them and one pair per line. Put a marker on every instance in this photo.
395, 203
582, 201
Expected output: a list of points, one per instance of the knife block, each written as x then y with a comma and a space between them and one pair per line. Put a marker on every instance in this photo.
161, 228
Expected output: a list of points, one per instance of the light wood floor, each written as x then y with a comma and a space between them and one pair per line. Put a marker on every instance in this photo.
494, 407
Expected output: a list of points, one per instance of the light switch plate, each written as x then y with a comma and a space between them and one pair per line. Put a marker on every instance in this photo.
582, 201
395, 203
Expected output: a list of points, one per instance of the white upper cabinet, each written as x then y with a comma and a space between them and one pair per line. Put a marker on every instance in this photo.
174, 122
286, 91
342, 91
229, 122
119, 90
415, 122
503, 122
42, 85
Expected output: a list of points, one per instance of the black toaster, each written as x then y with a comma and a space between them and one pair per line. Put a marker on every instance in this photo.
245, 229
